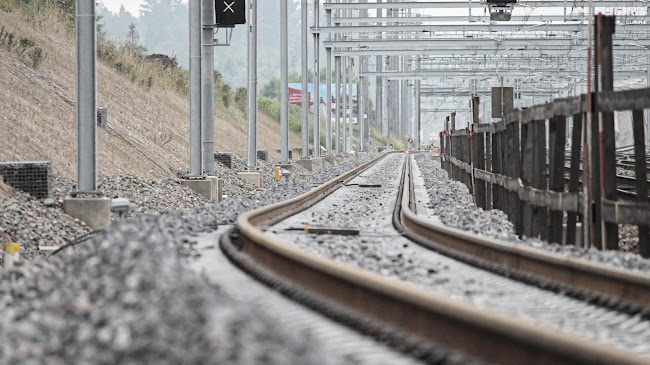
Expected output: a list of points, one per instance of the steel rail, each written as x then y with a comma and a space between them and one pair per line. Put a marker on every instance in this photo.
581, 274
489, 335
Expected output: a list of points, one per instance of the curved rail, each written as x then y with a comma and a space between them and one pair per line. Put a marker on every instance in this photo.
581, 274
491, 336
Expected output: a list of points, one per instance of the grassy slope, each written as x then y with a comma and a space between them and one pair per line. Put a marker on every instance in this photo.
149, 126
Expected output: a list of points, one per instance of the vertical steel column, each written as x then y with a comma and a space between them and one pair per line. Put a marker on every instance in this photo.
252, 86
379, 83
86, 96
386, 101
328, 81
337, 73
284, 83
647, 111
316, 82
361, 89
207, 84
360, 106
351, 103
305, 101
418, 116
344, 69
196, 156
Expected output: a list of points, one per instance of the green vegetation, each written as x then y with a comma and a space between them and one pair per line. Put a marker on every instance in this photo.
26, 48
273, 109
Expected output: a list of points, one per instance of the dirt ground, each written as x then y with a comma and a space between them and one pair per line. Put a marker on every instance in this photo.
148, 129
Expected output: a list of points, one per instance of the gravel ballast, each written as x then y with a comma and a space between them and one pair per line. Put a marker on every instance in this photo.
453, 205
128, 296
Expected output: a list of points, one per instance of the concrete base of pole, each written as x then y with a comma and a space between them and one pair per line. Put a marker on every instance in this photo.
286, 166
217, 188
339, 159
253, 177
95, 212
331, 159
203, 187
307, 163
296, 153
319, 161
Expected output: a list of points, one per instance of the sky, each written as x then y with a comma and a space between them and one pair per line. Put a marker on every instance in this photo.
132, 6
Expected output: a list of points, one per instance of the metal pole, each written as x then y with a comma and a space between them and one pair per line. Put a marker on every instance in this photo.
284, 83
379, 85
361, 102
418, 116
337, 72
207, 85
304, 130
351, 102
316, 83
647, 111
86, 96
587, 227
252, 86
328, 103
387, 117
344, 70
196, 156
360, 107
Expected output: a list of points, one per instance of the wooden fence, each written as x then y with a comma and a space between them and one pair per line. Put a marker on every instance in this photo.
507, 165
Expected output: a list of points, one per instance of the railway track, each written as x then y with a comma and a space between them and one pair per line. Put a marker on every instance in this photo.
426, 314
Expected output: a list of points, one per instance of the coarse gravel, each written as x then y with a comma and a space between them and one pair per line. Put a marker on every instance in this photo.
452, 204
128, 296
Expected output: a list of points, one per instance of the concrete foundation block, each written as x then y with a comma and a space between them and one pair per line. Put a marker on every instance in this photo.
339, 159
95, 212
253, 177
331, 159
217, 192
220, 190
319, 162
307, 163
203, 187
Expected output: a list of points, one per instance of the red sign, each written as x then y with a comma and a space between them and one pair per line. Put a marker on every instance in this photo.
295, 97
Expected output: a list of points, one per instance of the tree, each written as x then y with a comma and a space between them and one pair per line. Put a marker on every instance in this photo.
133, 40
272, 89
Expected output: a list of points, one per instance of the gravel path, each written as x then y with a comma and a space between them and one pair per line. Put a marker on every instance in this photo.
453, 205
381, 249
128, 296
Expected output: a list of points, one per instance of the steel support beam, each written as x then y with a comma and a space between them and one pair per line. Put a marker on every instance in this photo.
196, 159
479, 5
284, 83
316, 83
252, 87
304, 130
519, 28
86, 38
207, 84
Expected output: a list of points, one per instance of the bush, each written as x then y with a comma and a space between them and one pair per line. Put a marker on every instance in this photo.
24, 44
227, 98
241, 98
37, 56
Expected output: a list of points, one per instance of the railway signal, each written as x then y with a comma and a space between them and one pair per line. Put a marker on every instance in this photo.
230, 12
